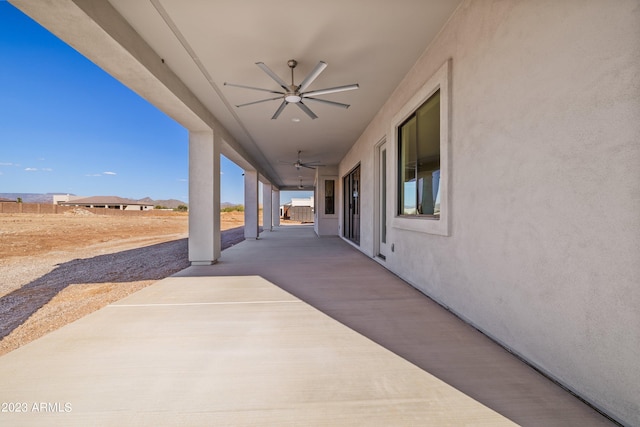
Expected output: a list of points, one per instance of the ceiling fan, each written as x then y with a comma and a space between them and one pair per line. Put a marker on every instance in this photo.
300, 164
300, 186
295, 94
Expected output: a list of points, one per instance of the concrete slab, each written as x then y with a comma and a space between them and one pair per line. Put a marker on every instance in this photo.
290, 329
222, 351
339, 280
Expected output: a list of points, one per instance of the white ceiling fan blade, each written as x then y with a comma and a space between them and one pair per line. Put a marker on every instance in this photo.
308, 167
253, 88
279, 110
331, 90
306, 110
312, 75
257, 102
273, 75
335, 104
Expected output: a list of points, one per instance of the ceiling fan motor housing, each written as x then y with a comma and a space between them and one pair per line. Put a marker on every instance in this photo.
292, 96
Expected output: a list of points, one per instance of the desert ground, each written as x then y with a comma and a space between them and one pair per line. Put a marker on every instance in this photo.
56, 268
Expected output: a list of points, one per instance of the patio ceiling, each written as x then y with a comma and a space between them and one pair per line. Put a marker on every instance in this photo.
206, 43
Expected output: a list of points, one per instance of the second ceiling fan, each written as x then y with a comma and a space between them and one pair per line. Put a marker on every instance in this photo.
295, 94
300, 164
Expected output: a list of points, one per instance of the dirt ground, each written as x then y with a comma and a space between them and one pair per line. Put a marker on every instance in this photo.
56, 268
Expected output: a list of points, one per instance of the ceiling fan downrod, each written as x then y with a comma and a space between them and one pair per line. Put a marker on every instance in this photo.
292, 96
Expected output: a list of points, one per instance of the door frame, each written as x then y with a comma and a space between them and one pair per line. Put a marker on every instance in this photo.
381, 199
351, 205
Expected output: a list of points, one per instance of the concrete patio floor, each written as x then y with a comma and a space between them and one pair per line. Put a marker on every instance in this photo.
287, 330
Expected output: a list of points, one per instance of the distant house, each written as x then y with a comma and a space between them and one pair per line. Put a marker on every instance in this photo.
62, 198
106, 202
4, 200
298, 210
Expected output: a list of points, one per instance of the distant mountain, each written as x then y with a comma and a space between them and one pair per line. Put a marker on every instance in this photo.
228, 205
48, 198
171, 203
31, 197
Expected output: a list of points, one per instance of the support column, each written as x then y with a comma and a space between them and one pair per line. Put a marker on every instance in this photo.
204, 197
275, 206
266, 208
251, 225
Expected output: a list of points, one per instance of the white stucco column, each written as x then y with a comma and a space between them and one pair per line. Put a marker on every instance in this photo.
204, 197
251, 225
266, 207
275, 207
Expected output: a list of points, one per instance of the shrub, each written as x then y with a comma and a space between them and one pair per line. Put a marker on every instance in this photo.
234, 208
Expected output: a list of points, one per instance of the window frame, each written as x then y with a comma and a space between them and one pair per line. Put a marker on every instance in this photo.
329, 200
440, 80
403, 196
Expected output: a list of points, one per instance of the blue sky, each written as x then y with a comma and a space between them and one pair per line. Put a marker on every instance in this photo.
66, 126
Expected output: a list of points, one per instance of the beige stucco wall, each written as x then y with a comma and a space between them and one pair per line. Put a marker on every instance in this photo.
545, 188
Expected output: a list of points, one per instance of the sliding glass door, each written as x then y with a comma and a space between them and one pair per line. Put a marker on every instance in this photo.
351, 226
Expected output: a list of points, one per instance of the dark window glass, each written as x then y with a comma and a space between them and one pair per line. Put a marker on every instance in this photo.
419, 161
329, 199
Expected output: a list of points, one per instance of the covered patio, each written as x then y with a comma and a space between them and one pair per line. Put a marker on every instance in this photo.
516, 208
289, 329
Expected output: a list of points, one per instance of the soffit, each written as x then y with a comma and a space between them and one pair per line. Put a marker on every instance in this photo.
370, 42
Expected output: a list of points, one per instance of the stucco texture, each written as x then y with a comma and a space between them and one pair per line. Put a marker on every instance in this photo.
544, 188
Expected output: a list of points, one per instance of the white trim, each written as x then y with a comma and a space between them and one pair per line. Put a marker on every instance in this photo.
439, 80
377, 202
322, 179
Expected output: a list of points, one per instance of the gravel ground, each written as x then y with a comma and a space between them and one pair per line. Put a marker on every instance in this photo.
62, 286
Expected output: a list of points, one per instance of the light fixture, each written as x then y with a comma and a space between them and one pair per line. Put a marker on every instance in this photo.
293, 98
296, 120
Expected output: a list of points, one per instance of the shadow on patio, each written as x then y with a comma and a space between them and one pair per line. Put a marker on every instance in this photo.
153, 262
290, 329
343, 283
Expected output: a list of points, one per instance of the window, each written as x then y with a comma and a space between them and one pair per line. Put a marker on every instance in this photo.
329, 200
419, 161
420, 140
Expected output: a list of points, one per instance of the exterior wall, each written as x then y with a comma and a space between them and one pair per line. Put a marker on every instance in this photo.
301, 213
108, 206
61, 198
138, 207
302, 202
543, 245
48, 208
